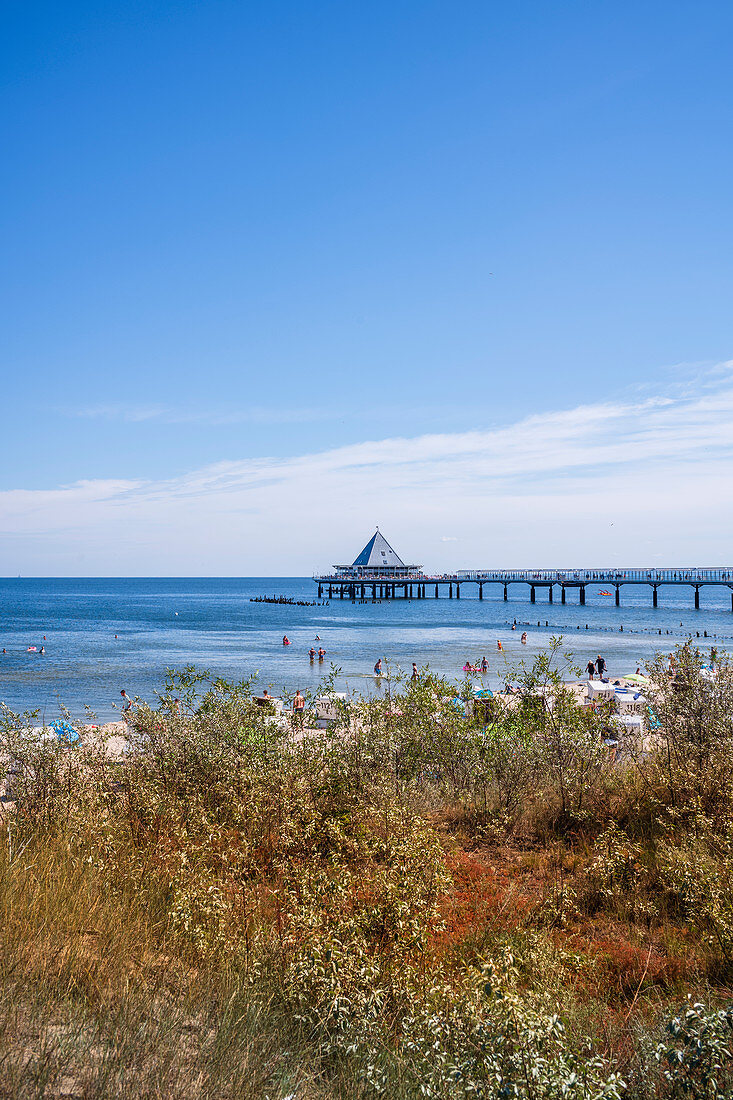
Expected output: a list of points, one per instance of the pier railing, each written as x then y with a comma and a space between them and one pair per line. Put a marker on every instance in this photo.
383, 578
717, 575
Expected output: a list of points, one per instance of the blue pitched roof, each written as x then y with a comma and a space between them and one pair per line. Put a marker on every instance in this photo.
378, 552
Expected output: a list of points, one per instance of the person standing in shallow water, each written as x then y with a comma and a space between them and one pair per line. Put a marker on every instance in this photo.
590, 668
600, 666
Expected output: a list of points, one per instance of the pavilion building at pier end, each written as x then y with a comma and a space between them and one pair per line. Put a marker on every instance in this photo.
377, 570
377, 561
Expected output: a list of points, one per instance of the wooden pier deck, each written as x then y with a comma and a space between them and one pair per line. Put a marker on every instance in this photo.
416, 585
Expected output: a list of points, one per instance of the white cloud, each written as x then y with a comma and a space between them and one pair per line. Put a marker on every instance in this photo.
608, 481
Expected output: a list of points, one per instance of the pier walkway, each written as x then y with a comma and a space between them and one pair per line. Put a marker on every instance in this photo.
408, 584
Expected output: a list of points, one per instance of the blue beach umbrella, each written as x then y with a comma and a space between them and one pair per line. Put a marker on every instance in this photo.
65, 732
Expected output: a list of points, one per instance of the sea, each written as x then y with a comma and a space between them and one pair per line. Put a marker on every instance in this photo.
102, 635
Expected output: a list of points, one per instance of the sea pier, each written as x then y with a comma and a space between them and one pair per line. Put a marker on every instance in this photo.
379, 574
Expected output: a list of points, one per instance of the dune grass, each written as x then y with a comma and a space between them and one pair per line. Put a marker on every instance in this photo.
412, 903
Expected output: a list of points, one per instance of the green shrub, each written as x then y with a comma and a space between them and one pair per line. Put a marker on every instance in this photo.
696, 1058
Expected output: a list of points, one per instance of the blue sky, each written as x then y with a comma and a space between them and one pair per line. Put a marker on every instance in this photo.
257, 237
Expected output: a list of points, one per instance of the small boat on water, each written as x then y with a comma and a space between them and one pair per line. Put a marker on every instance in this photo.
604, 593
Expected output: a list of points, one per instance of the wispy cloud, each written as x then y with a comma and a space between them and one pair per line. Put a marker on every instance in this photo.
163, 414
606, 481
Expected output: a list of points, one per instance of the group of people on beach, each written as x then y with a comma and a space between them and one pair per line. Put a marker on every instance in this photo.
596, 669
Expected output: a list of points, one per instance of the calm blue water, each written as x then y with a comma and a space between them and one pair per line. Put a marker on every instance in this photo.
211, 623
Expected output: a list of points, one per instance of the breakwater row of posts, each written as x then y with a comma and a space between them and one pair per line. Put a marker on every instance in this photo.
595, 628
287, 600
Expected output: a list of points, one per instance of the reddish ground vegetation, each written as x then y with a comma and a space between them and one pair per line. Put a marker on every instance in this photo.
498, 891
485, 893
619, 968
